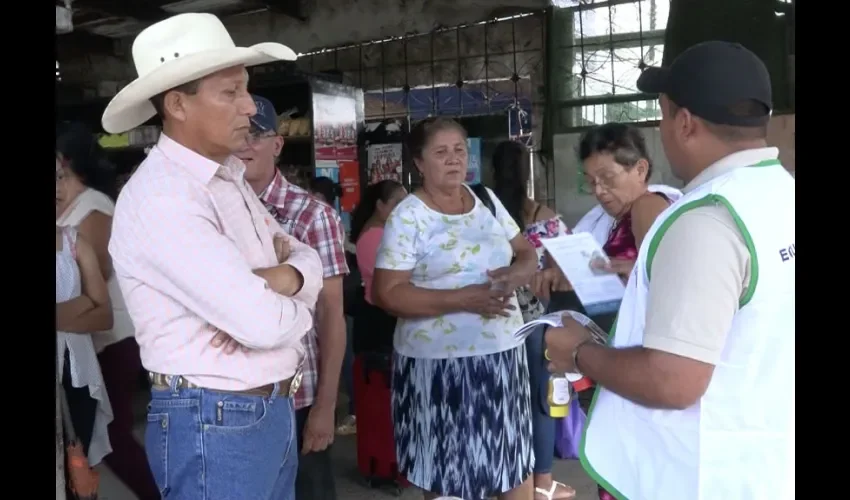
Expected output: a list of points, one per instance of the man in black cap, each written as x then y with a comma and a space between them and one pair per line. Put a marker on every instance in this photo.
697, 391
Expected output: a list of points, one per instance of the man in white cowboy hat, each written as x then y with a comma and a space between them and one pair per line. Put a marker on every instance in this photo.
219, 297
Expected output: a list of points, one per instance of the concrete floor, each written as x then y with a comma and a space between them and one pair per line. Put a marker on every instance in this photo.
348, 483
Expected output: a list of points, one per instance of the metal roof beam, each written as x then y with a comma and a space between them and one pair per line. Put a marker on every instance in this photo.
126, 8
290, 8
80, 43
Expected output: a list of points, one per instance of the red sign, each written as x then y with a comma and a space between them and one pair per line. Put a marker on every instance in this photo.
324, 142
349, 180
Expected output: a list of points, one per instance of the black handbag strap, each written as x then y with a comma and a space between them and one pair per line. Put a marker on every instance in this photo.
482, 194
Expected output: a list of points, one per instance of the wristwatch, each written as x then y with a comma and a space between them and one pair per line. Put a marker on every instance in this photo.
575, 353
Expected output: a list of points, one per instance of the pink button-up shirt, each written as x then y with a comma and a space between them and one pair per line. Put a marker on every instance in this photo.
186, 235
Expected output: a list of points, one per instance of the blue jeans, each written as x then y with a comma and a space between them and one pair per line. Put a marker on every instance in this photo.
542, 425
208, 445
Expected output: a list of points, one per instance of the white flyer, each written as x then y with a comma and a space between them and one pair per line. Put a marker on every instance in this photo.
599, 292
556, 319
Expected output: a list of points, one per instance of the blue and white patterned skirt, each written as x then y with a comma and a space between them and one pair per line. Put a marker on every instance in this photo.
463, 425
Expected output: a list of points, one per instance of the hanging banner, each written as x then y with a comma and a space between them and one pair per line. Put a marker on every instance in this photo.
384, 162
335, 126
345, 133
349, 180
473, 168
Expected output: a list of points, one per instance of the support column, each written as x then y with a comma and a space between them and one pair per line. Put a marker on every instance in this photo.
752, 23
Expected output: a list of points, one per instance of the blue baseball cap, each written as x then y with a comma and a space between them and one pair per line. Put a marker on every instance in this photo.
266, 118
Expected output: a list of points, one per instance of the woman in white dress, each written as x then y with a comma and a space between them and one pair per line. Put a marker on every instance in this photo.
82, 306
85, 194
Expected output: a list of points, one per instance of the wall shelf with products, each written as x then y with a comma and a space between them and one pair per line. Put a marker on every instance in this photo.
138, 138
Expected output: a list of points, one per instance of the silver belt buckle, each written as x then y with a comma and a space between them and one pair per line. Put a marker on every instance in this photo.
160, 379
296, 383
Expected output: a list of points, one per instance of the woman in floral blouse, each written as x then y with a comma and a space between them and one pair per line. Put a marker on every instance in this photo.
447, 269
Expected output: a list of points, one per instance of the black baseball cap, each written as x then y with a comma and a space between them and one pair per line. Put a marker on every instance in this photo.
709, 78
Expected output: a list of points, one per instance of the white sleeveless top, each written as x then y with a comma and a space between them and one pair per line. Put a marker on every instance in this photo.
87, 202
737, 442
85, 368
598, 223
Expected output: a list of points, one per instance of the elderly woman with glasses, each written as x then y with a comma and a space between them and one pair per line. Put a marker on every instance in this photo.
617, 167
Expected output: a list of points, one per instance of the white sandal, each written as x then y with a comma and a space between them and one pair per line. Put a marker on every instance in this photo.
550, 494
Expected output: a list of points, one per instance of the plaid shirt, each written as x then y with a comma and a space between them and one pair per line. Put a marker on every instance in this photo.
318, 225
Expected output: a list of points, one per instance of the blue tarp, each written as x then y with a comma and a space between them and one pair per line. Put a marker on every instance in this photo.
471, 99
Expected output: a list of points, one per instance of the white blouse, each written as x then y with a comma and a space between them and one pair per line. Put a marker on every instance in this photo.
87, 202
85, 368
446, 252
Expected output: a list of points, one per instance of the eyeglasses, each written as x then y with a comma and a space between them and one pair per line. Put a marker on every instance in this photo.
606, 181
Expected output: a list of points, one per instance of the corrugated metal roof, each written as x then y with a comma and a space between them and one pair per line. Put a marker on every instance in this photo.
113, 27
120, 18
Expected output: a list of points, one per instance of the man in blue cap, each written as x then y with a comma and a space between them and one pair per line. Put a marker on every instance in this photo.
696, 385
318, 225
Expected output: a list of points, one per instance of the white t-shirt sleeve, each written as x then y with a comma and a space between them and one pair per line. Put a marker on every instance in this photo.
398, 244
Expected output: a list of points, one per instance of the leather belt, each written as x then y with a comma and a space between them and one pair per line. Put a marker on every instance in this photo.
286, 388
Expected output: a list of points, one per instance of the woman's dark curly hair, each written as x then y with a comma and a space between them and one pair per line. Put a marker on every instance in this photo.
83, 155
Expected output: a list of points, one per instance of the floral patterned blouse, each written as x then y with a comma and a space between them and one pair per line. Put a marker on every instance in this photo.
542, 229
446, 252
529, 305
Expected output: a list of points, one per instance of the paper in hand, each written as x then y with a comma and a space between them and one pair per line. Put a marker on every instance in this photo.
600, 292
556, 319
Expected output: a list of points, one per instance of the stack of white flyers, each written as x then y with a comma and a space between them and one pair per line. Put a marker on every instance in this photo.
600, 292
556, 319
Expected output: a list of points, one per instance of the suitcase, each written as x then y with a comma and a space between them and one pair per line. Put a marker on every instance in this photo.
376, 459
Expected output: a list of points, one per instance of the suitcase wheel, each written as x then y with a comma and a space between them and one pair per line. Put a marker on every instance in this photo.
373, 483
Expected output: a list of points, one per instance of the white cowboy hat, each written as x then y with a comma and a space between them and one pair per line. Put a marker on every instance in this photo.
175, 51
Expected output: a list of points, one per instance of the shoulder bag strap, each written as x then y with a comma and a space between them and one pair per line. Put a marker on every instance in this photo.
482, 194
